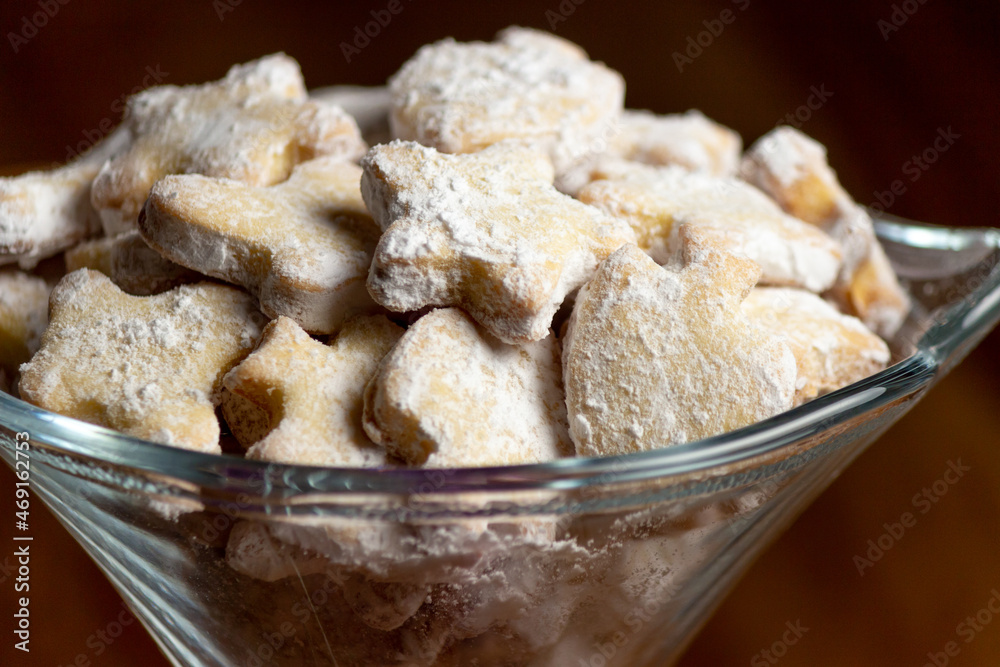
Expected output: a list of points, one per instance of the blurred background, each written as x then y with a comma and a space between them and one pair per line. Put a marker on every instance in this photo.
893, 75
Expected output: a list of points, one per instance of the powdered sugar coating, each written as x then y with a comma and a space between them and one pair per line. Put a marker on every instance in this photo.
313, 394
451, 395
527, 86
658, 356
24, 305
254, 126
656, 199
485, 231
690, 140
831, 349
45, 212
792, 168
303, 247
147, 366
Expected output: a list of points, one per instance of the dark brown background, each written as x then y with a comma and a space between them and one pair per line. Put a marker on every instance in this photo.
941, 69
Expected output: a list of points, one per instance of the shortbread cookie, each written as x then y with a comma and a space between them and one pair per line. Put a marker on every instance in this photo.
130, 263
451, 395
313, 394
151, 367
661, 356
655, 199
44, 212
24, 306
831, 349
527, 86
690, 140
253, 126
793, 169
485, 231
303, 247
874, 294
246, 421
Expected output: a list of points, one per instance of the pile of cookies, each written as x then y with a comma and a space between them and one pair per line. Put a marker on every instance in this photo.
521, 270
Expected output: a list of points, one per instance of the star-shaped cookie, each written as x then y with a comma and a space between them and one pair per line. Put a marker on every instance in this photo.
303, 246
150, 366
254, 126
485, 231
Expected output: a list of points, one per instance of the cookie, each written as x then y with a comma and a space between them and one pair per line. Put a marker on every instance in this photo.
792, 168
44, 212
690, 140
130, 263
253, 126
658, 356
24, 305
302, 247
486, 231
313, 394
527, 86
150, 367
451, 395
745, 221
831, 349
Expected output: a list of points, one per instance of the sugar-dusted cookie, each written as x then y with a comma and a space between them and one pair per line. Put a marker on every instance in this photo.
485, 231
792, 168
24, 306
451, 395
312, 393
44, 212
657, 356
655, 199
527, 86
130, 263
303, 246
151, 366
253, 126
690, 140
831, 349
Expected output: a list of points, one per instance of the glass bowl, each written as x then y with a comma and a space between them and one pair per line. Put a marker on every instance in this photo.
586, 561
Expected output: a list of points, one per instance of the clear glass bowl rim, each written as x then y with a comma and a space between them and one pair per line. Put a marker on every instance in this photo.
229, 474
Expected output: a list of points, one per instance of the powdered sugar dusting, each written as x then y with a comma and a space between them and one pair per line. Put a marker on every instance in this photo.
150, 366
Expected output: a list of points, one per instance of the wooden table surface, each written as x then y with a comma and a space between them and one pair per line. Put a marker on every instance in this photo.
893, 82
